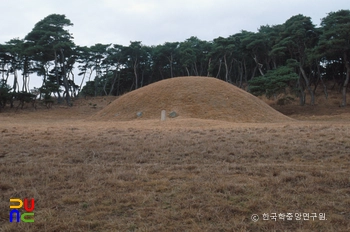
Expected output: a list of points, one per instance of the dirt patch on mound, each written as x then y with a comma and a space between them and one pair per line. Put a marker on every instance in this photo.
191, 97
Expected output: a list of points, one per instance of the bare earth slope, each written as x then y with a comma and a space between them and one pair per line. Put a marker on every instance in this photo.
191, 97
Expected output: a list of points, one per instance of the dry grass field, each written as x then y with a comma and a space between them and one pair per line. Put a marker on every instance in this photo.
182, 174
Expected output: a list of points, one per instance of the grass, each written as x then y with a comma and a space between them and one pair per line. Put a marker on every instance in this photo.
178, 175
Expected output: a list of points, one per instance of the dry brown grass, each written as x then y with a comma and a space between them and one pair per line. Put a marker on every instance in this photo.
177, 175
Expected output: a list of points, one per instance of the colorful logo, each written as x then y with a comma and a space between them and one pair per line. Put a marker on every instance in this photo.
15, 212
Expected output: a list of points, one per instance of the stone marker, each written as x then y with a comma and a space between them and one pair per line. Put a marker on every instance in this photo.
163, 115
139, 114
173, 114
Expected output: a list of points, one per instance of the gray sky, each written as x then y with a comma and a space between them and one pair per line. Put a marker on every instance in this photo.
157, 21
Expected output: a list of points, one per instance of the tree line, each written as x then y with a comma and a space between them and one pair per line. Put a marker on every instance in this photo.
295, 56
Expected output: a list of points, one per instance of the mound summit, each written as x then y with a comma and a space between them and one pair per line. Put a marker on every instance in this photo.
191, 97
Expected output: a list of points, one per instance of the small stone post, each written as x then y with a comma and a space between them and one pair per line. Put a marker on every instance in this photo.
162, 115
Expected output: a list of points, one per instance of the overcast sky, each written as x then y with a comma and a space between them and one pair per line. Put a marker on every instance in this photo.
157, 21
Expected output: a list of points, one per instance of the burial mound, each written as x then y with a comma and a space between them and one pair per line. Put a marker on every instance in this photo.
191, 97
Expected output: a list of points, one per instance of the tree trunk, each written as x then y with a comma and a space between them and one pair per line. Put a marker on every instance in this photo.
170, 59
15, 81
226, 68
65, 81
82, 81
90, 74
24, 84
132, 86
57, 78
258, 65
195, 69
188, 72
104, 86
135, 73
118, 84
346, 82
161, 73
302, 93
307, 82
253, 74
26, 74
7, 76
106, 81
245, 71
240, 74
260, 70
274, 64
218, 74
321, 78
73, 84
171, 66
209, 62
115, 74
142, 75
3, 71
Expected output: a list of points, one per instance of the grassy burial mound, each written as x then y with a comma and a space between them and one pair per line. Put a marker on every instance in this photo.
191, 97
